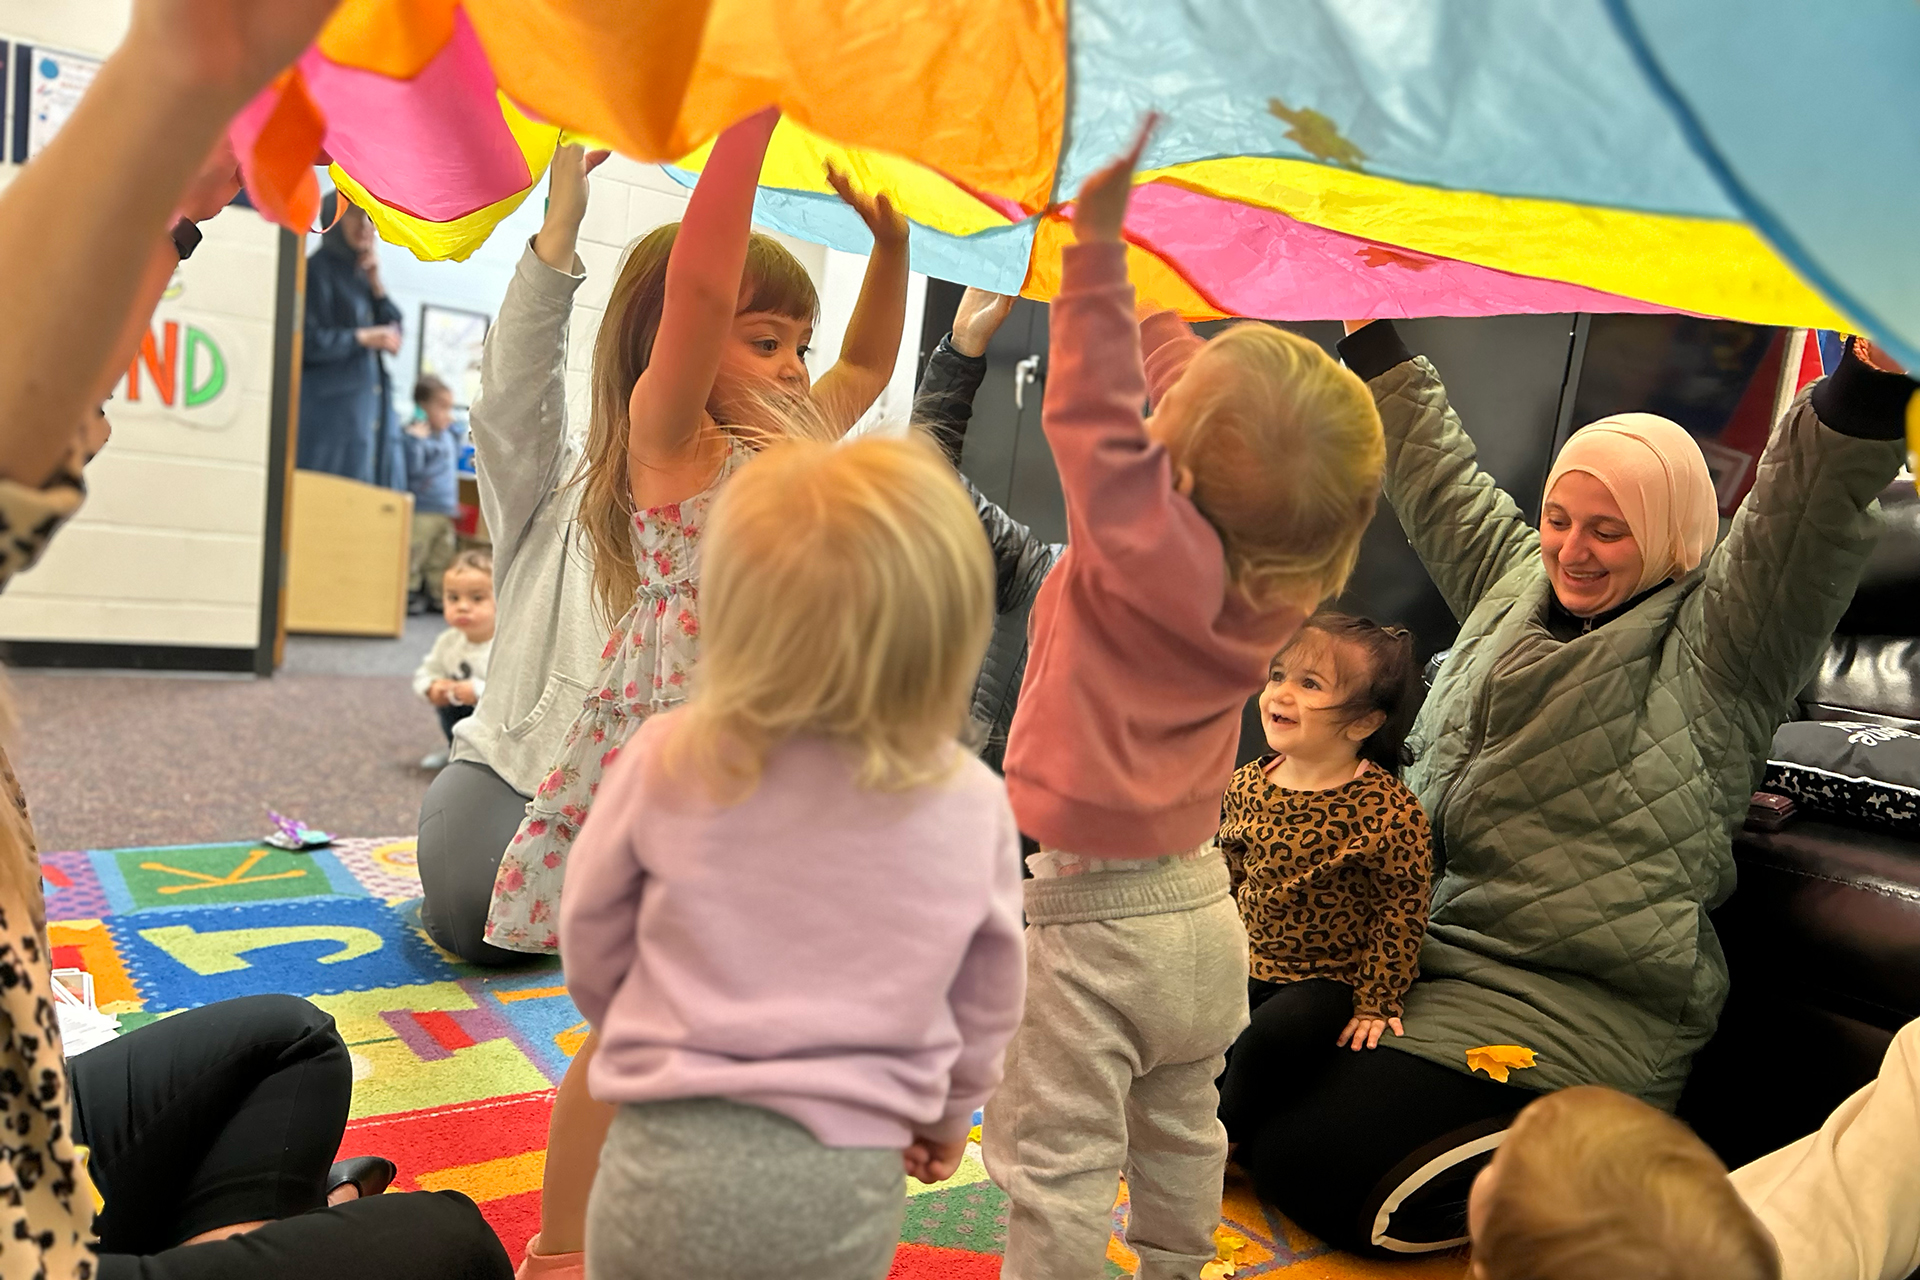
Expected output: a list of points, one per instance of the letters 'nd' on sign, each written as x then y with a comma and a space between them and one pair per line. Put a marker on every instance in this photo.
185, 369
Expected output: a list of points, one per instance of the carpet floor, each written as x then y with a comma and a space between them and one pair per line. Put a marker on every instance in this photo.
454, 1066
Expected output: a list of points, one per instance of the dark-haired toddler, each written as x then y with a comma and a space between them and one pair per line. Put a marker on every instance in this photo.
1330, 855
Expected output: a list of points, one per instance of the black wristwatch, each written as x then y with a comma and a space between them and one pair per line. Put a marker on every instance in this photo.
186, 237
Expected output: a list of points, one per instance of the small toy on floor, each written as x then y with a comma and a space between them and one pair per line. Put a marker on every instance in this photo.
291, 833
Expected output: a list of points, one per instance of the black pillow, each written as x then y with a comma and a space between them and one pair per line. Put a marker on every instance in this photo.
1868, 774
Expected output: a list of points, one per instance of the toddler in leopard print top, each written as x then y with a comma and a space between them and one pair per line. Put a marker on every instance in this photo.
1330, 854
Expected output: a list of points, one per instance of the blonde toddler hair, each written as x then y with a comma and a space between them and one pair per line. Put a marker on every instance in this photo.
1594, 1185
1286, 452
846, 591
621, 353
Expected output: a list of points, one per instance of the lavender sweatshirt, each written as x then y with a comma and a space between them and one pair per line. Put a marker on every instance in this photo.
849, 958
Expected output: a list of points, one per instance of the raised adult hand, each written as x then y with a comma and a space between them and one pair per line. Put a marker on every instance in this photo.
888, 224
215, 186
1100, 209
1875, 356
980, 315
567, 193
226, 49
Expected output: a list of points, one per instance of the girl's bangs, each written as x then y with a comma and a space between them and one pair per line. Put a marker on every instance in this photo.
781, 286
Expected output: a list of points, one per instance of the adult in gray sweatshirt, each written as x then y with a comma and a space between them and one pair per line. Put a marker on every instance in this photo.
550, 631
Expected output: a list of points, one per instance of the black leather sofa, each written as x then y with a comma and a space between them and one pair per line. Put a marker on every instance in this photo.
1823, 933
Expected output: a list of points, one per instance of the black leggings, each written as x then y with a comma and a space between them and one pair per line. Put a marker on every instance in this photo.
232, 1113
1373, 1151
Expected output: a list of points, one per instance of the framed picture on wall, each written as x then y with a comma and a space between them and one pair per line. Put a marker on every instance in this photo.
450, 344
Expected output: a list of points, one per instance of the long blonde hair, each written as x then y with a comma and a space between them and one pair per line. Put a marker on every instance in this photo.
846, 591
1286, 451
1594, 1185
621, 353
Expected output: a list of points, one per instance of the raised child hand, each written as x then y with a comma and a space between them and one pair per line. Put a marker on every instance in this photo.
978, 319
933, 1161
888, 224
1101, 207
1364, 1033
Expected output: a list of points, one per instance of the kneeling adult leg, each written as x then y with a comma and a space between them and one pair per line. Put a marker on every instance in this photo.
1377, 1154
1289, 1041
424, 1235
225, 1114
466, 823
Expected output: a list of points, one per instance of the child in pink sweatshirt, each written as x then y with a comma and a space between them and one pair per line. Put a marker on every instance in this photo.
794, 915
1197, 540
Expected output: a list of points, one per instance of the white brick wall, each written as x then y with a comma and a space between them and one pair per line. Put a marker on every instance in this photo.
168, 548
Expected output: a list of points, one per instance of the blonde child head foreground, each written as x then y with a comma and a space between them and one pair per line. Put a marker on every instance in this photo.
847, 591
1281, 450
762, 362
1593, 1185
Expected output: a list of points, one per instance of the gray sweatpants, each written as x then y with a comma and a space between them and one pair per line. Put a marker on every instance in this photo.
1136, 987
707, 1187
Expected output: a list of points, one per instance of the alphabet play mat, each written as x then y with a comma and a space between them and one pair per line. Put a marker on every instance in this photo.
455, 1065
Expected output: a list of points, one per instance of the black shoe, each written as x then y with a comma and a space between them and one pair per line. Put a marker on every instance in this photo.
416, 604
371, 1174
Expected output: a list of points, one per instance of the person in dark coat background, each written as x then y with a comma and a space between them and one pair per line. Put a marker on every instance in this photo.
1021, 560
349, 322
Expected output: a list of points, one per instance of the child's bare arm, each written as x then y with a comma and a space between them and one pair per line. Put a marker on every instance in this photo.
872, 344
666, 460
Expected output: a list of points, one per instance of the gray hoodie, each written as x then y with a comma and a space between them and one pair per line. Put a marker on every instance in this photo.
548, 634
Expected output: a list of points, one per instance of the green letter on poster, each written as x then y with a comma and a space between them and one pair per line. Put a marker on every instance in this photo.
198, 393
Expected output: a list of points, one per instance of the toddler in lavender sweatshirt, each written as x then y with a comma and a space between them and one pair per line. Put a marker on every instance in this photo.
794, 914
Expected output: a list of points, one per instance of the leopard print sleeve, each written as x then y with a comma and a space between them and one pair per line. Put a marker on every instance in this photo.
1233, 829
1402, 890
46, 1209
29, 516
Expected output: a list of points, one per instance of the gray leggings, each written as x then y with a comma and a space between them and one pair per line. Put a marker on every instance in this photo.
707, 1187
466, 823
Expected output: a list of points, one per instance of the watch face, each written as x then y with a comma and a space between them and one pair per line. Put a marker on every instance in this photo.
186, 238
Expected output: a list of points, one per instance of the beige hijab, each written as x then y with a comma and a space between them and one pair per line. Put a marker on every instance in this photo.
1657, 474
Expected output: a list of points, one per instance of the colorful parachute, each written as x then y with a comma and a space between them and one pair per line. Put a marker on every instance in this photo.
1318, 158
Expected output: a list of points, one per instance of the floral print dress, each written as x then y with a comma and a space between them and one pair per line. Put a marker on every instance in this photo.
643, 670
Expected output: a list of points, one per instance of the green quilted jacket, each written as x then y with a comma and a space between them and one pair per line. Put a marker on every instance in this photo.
1584, 795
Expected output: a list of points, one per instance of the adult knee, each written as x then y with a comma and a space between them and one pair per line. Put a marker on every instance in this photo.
283, 1018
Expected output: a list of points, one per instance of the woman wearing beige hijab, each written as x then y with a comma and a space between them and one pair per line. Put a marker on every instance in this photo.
1584, 757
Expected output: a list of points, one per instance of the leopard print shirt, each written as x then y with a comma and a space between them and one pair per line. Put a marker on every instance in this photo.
1331, 884
46, 1211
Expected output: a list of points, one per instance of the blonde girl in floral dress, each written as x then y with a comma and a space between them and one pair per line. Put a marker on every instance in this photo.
701, 354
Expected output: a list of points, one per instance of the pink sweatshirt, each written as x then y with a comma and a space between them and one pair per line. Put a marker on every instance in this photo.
849, 958
1142, 656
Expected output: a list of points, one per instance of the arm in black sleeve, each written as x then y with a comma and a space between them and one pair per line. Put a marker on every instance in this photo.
1020, 559
1864, 402
1374, 348
944, 403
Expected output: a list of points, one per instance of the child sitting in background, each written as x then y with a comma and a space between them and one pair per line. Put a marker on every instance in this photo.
454, 671
1197, 540
794, 921
433, 474
1590, 1184
1330, 855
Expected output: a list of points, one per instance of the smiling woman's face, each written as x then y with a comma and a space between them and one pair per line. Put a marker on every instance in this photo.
1591, 556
